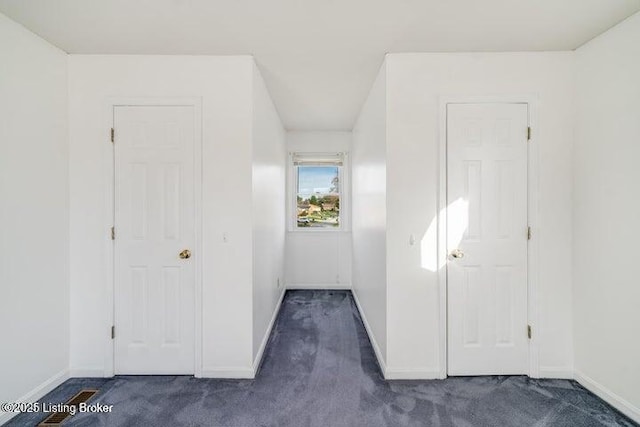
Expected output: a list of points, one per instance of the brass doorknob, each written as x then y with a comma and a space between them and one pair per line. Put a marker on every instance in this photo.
185, 254
457, 253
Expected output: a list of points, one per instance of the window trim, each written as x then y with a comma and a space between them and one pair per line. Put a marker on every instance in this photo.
292, 193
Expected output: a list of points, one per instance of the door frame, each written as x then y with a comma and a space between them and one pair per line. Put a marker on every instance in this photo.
532, 212
109, 185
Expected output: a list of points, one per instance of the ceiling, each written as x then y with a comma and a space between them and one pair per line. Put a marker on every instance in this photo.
319, 58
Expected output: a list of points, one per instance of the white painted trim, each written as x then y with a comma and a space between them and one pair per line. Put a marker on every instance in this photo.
258, 359
411, 374
345, 197
109, 191
198, 329
95, 372
561, 372
320, 286
228, 372
372, 338
319, 231
108, 155
37, 393
441, 251
533, 245
532, 212
608, 396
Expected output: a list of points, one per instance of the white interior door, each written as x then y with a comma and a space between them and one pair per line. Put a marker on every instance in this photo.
154, 223
487, 239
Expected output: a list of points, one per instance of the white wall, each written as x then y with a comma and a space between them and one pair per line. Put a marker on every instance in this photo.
34, 213
224, 85
319, 259
606, 208
268, 180
415, 85
369, 220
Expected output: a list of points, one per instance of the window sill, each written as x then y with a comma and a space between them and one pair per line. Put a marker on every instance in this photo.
318, 230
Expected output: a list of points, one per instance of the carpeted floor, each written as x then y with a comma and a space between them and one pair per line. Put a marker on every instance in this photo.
319, 370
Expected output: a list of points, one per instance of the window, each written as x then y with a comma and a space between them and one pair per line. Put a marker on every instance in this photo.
318, 180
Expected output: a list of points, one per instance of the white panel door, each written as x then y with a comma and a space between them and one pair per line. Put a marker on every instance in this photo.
487, 239
154, 223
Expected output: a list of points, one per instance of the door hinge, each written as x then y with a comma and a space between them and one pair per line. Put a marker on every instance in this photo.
529, 331
113, 233
113, 135
529, 233
113, 332
528, 133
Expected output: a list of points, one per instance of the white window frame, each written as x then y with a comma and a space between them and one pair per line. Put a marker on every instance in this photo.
292, 194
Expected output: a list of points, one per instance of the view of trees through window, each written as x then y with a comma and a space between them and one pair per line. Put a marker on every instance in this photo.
318, 197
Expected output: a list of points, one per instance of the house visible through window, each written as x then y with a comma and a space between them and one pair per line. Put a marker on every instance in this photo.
318, 190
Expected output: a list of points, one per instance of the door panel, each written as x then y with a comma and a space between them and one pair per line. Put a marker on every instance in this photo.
154, 222
487, 285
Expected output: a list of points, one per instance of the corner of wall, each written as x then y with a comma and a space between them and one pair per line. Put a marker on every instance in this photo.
37, 393
369, 247
267, 212
34, 96
606, 394
605, 174
380, 357
257, 361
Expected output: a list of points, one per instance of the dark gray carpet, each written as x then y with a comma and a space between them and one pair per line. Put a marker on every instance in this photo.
319, 370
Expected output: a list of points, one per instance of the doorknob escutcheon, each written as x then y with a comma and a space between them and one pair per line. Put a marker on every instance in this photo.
185, 254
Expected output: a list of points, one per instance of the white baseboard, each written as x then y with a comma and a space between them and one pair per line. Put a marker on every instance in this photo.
265, 339
411, 374
608, 396
87, 373
560, 372
230, 372
37, 393
319, 286
372, 338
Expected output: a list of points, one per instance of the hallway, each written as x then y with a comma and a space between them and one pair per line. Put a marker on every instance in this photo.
320, 370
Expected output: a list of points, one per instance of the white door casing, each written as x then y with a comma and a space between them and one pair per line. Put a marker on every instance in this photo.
154, 218
487, 222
